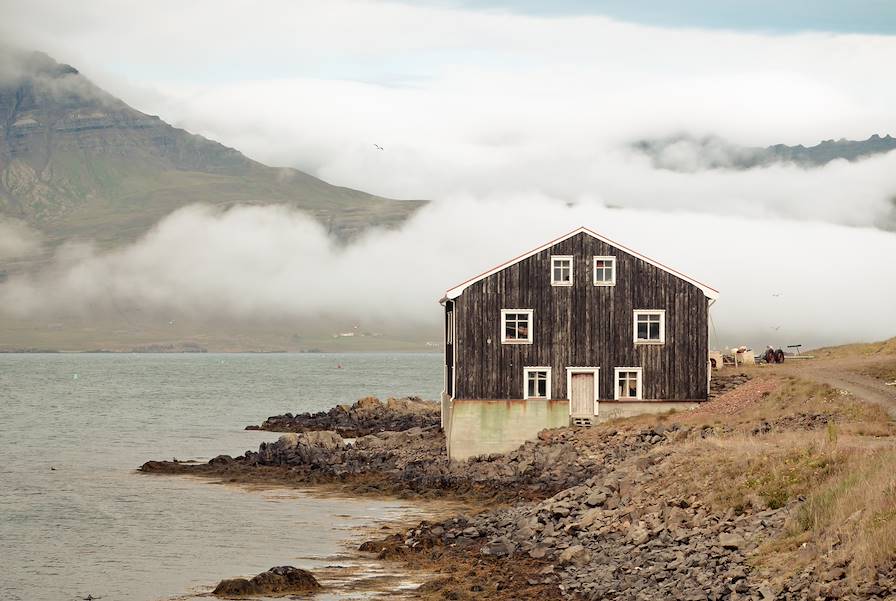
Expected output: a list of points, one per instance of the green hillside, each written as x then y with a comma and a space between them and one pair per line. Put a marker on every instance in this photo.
77, 163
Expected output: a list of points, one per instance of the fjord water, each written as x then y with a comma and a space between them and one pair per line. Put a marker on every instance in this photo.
75, 517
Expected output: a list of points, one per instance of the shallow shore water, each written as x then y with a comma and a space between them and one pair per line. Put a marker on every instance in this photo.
80, 520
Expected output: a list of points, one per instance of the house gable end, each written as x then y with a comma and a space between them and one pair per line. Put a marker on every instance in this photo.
708, 291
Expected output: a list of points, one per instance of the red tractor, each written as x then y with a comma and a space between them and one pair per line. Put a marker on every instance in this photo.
773, 356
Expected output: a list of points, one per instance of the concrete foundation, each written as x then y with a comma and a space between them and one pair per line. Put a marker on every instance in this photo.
480, 427
485, 427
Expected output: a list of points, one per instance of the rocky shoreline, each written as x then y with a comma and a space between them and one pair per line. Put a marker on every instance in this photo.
366, 416
616, 511
413, 464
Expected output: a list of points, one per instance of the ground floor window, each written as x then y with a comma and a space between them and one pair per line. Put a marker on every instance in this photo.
628, 383
536, 382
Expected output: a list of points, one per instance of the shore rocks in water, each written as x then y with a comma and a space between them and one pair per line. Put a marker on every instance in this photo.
277, 580
414, 462
367, 416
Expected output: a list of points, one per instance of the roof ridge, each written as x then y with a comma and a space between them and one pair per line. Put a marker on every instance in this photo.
456, 291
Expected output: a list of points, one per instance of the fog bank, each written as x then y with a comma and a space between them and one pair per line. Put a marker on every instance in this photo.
779, 285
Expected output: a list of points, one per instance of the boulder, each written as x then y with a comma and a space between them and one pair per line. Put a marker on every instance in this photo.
731, 541
500, 547
280, 580
576, 555
638, 533
589, 518
369, 403
325, 439
596, 499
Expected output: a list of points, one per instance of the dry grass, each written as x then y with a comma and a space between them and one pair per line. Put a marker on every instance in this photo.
842, 484
794, 398
883, 370
843, 487
853, 513
884, 347
747, 472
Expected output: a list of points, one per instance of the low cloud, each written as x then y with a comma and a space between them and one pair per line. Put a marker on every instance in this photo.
519, 128
814, 285
17, 240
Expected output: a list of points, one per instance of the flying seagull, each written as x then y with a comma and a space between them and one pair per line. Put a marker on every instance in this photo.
776, 294
378, 147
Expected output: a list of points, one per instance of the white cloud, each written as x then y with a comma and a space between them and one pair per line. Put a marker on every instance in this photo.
503, 120
17, 239
255, 262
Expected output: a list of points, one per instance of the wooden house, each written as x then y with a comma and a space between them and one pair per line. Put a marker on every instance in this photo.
577, 330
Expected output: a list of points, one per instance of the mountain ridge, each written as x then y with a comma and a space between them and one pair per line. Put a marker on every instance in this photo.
687, 153
78, 163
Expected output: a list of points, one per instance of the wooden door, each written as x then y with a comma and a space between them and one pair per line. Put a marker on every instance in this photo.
581, 399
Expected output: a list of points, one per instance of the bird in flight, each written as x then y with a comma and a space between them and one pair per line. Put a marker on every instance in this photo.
777, 294
776, 328
378, 147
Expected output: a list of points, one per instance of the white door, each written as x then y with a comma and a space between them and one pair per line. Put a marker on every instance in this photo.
581, 395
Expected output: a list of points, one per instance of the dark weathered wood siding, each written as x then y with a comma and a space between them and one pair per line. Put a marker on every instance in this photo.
581, 326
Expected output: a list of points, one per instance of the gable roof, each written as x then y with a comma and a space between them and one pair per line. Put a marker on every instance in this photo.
453, 293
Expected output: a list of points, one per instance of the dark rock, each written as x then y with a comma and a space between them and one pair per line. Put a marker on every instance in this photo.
282, 579
367, 416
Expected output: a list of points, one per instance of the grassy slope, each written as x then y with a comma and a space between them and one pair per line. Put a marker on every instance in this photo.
835, 471
113, 201
875, 359
858, 349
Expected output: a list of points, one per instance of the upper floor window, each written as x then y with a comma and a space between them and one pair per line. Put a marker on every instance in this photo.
537, 382
561, 270
650, 326
516, 326
628, 383
604, 271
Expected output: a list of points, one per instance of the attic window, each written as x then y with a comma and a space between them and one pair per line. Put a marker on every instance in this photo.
537, 382
516, 326
561, 270
628, 383
650, 326
604, 271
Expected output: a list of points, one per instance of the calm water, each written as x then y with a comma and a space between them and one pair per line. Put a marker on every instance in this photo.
95, 526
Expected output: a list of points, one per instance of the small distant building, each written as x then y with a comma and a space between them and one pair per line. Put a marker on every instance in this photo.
578, 330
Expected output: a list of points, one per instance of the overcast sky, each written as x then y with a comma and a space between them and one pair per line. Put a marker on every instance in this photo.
524, 117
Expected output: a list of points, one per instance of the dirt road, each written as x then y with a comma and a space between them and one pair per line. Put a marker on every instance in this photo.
843, 373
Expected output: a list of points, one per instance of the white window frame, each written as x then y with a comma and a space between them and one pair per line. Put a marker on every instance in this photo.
594, 261
583, 370
504, 313
529, 370
572, 263
638, 312
640, 384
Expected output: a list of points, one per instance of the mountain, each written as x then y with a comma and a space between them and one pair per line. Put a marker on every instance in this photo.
76, 162
689, 153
